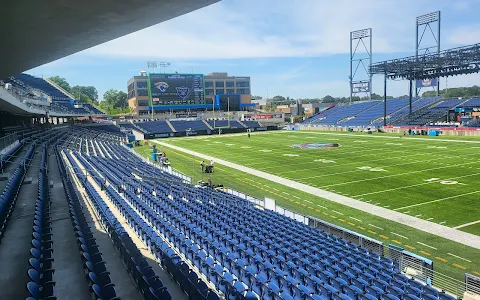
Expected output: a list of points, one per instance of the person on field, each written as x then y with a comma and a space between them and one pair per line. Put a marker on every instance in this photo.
249, 135
202, 165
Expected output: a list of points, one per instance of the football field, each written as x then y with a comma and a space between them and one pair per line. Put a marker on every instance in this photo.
434, 180
430, 178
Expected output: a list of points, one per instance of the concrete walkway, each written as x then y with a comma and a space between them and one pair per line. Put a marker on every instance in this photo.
452, 234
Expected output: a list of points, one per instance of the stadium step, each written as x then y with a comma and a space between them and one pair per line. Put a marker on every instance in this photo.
59, 88
124, 287
208, 125
171, 126
15, 245
173, 288
69, 272
241, 123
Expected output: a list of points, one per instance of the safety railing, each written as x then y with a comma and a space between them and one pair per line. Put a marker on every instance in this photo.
8, 141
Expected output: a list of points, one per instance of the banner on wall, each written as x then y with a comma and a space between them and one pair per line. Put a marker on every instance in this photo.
426, 82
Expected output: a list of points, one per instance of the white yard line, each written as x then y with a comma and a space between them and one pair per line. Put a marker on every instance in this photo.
375, 226
459, 257
321, 206
337, 212
430, 227
414, 185
308, 201
427, 245
433, 201
399, 235
395, 175
428, 219
467, 224
358, 220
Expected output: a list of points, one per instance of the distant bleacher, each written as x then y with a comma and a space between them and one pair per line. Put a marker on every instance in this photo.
154, 127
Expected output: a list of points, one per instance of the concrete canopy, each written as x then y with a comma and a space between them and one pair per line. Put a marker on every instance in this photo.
37, 32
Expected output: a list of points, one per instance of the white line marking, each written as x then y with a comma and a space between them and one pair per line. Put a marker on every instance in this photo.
286, 193
375, 226
459, 257
467, 224
451, 234
427, 245
295, 197
387, 206
356, 219
433, 201
406, 212
413, 185
419, 215
337, 212
308, 201
399, 235
429, 219
368, 201
443, 222
321, 206
274, 188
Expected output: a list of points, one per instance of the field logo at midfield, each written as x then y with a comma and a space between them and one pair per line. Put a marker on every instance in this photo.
318, 145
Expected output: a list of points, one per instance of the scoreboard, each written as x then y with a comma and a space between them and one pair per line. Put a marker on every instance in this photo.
176, 89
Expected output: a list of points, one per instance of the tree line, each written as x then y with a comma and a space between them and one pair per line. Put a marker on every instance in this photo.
113, 102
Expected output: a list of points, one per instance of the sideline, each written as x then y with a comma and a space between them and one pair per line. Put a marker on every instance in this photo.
387, 137
452, 234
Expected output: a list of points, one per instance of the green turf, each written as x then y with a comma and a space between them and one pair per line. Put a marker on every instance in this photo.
407, 164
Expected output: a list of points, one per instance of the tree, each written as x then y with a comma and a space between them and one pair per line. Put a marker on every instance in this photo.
91, 92
278, 98
61, 82
122, 100
114, 99
328, 99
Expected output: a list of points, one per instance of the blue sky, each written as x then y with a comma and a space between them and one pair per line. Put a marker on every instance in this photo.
291, 48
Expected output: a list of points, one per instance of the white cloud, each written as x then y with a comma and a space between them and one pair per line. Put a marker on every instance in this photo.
272, 28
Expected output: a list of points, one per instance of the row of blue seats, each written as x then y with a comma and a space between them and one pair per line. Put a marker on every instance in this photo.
41, 285
8, 198
197, 283
196, 289
9, 154
206, 218
97, 275
144, 277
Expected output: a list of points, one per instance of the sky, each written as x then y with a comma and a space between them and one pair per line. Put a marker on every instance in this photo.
295, 48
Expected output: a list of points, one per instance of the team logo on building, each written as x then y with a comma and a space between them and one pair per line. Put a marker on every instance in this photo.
316, 145
427, 82
162, 86
183, 92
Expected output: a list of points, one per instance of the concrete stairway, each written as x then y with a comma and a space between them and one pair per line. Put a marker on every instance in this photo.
208, 125
171, 126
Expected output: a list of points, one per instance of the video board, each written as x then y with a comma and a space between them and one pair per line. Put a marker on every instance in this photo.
176, 89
